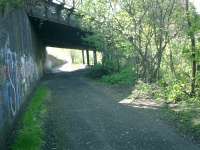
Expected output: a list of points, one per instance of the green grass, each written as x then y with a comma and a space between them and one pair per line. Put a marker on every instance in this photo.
124, 77
30, 136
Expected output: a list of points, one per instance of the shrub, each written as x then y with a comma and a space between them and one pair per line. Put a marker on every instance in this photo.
127, 77
174, 91
14, 3
98, 71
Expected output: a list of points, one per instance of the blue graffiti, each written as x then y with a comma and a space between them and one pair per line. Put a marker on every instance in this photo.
12, 86
19, 72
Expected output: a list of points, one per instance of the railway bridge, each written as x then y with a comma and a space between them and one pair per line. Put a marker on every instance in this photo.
25, 32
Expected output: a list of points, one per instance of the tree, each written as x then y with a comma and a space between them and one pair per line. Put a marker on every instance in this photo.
191, 34
12, 3
149, 35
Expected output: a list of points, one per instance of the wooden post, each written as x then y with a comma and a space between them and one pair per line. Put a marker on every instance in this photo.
88, 57
95, 57
83, 56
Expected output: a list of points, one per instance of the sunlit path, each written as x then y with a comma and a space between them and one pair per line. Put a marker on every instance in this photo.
68, 68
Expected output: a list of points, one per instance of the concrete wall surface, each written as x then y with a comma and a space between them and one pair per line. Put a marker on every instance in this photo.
22, 57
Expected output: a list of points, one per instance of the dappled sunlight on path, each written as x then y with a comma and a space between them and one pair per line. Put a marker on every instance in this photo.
140, 103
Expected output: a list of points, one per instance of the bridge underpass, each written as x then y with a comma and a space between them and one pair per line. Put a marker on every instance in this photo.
68, 60
59, 29
53, 34
24, 35
62, 31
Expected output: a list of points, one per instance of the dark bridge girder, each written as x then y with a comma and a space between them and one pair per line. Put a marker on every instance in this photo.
59, 35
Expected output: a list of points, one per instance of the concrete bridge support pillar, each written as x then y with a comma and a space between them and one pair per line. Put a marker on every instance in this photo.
88, 57
95, 57
83, 56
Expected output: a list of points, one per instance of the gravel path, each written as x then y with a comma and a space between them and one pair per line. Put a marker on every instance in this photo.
85, 116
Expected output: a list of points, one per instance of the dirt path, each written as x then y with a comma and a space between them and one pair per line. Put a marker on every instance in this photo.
85, 116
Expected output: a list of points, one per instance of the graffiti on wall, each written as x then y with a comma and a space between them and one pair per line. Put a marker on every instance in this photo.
12, 85
18, 73
2, 69
28, 72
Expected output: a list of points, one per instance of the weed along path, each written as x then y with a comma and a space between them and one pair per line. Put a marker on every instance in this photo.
83, 115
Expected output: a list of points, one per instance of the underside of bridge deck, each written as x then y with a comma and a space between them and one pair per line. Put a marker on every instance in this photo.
59, 35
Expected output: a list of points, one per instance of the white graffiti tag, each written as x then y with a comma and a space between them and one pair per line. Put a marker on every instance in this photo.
11, 69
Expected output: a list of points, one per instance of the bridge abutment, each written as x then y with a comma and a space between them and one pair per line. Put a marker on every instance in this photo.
22, 56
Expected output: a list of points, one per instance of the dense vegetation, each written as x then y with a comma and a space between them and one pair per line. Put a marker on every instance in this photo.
4, 3
152, 41
158, 39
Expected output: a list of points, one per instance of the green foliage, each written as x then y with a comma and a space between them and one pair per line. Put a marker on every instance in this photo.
143, 87
144, 90
107, 74
178, 107
95, 40
126, 76
15, 3
99, 70
175, 92
31, 135
154, 37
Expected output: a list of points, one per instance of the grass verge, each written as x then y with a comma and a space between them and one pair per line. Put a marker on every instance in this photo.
186, 117
30, 136
178, 109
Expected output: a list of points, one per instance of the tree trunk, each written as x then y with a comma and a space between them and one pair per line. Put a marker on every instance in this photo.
83, 56
95, 57
193, 49
88, 57
172, 63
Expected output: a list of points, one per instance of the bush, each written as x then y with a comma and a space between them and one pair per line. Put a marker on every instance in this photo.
171, 92
174, 90
175, 93
126, 76
98, 71
14, 3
